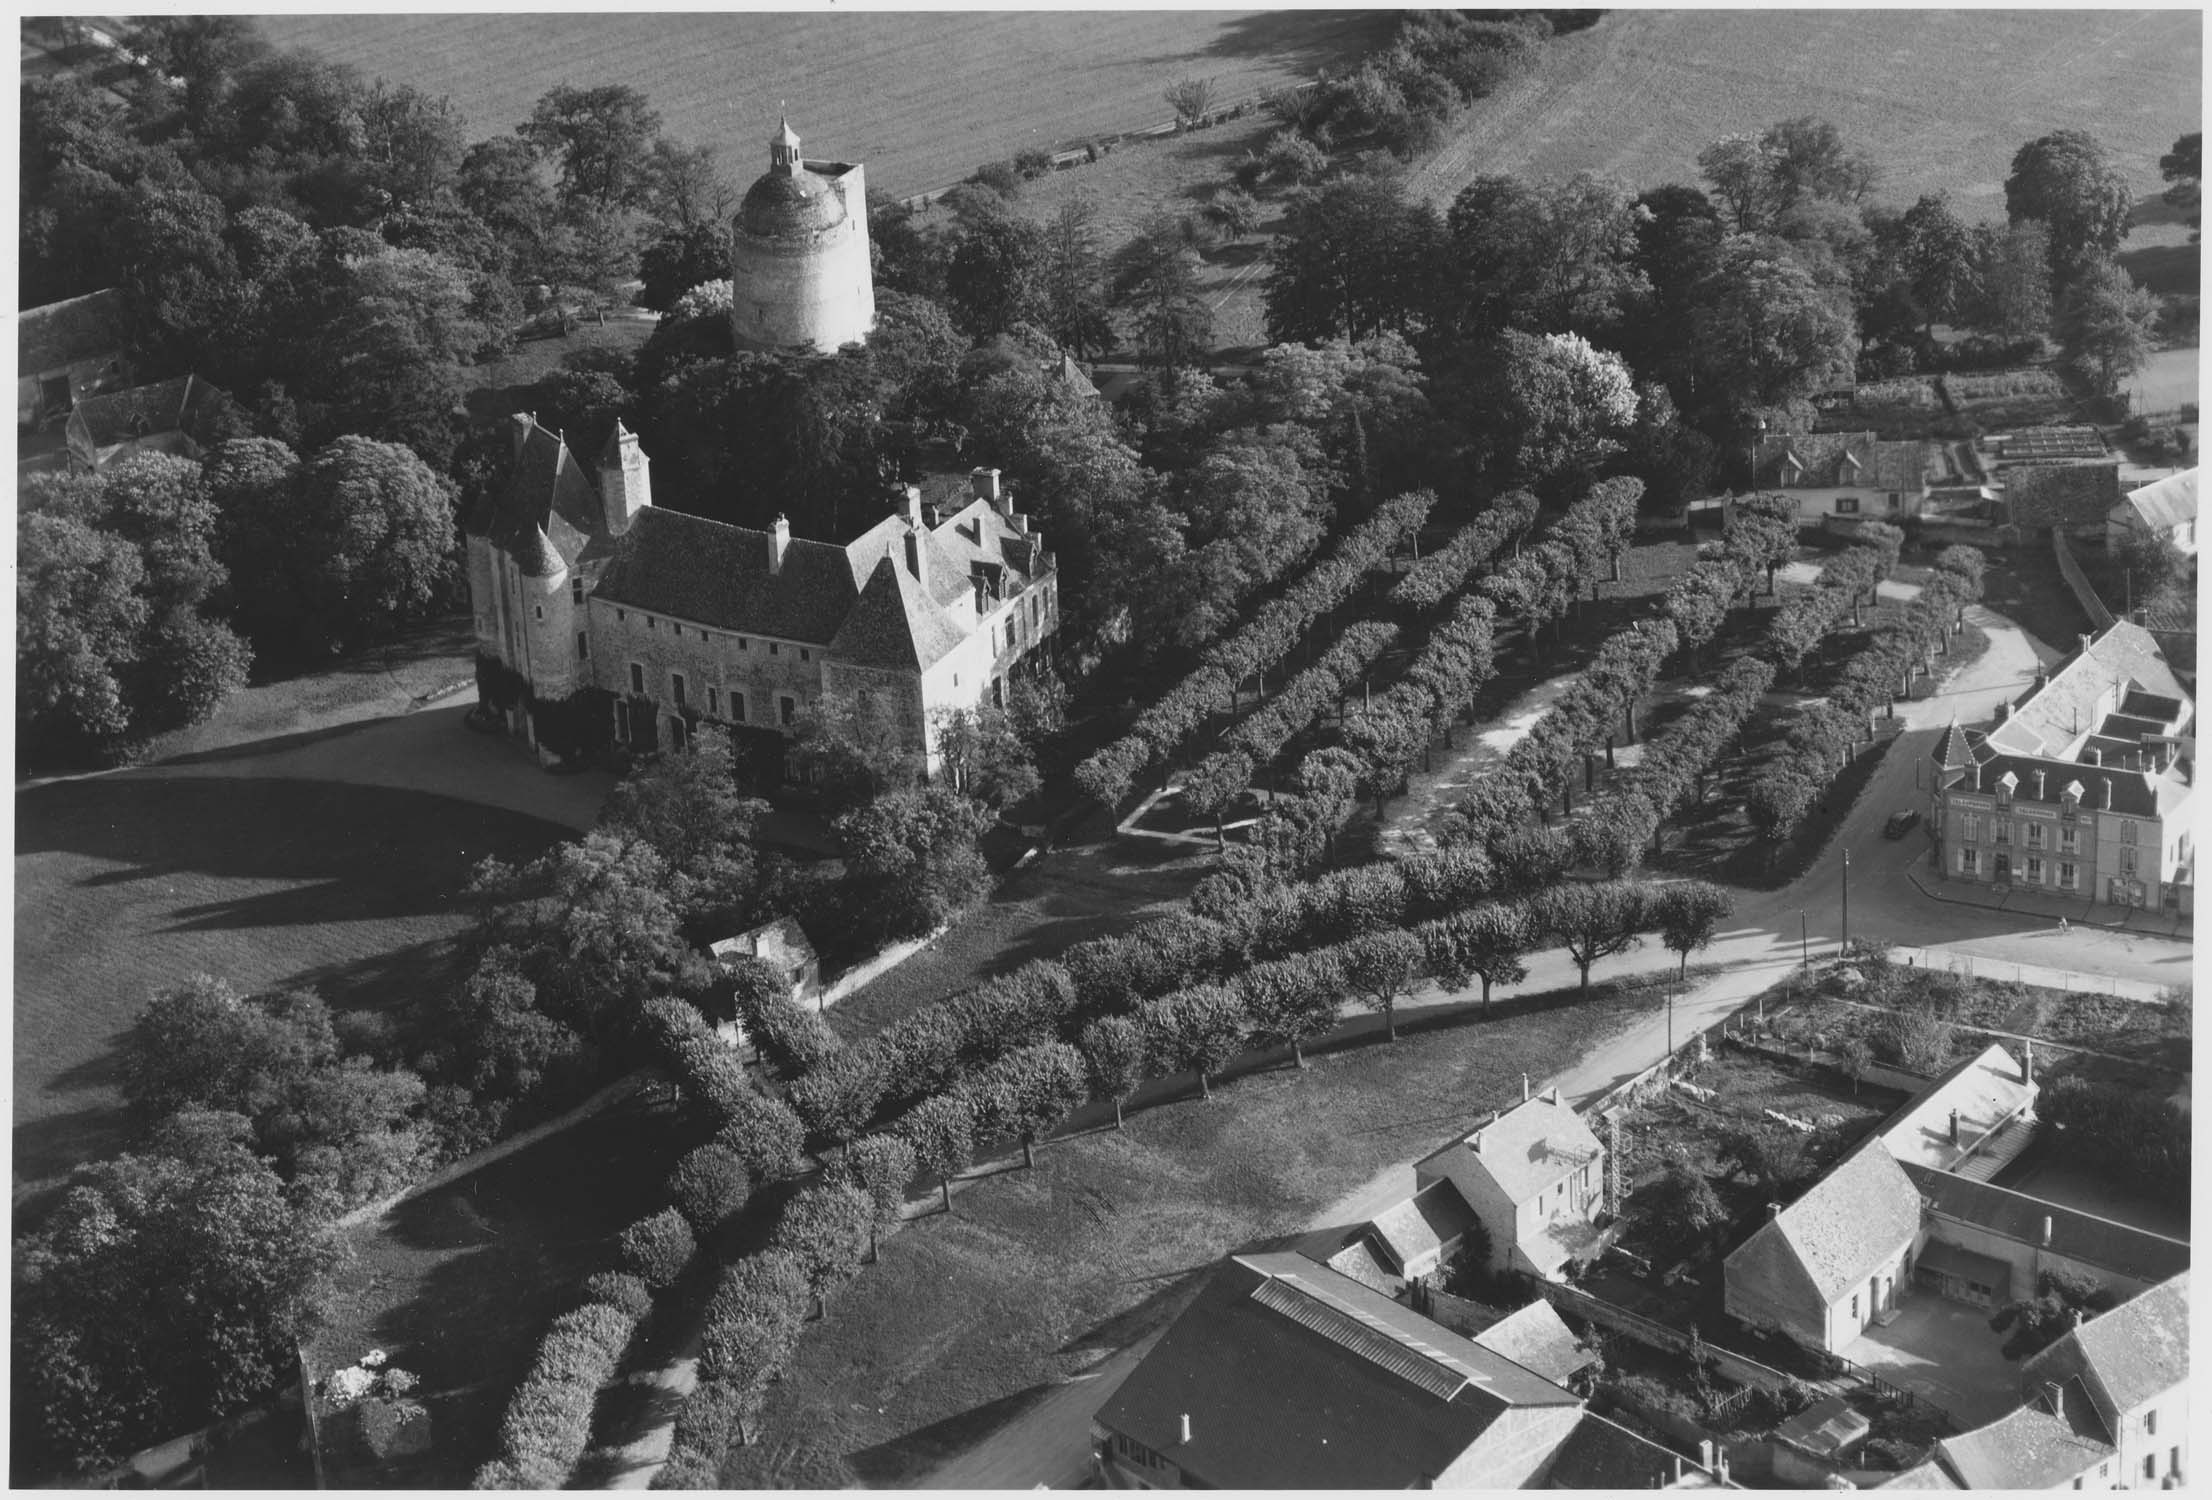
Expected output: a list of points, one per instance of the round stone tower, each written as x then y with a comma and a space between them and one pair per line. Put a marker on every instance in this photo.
799, 271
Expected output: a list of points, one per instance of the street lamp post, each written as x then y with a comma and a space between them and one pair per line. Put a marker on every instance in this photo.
1846, 899
1804, 939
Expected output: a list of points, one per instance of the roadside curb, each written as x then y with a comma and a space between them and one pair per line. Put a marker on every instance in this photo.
1912, 874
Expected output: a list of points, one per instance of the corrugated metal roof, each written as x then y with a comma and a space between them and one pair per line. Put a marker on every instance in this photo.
1311, 1308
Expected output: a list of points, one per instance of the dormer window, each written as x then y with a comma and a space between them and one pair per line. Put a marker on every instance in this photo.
2007, 784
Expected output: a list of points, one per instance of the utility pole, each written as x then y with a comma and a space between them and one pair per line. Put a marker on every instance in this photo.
1804, 938
1846, 898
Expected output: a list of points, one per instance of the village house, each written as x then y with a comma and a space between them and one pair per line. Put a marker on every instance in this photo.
1848, 473
1833, 1262
1534, 1177
66, 351
1281, 1374
2106, 1407
2080, 788
2165, 508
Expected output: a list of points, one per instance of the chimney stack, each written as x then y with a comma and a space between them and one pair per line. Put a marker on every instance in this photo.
915, 555
912, 496
2004, 712
1552, 1093
1954, 1127
1186, 1427
2107, 783
985, 483
2039, 786
2027, 1062
2046, 1231
779, 542
1705, 1454
1774, 1210
2085, 639
2096, 756
2054, 1396
2142, 617
1524, 1088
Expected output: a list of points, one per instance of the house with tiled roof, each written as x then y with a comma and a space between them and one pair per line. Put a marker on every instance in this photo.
66, 351
2106, 1407
1533, 1176
602, 618
1849, 473
1281, 1374
2074, 498
2164, 508
2081, 787
1823, 1268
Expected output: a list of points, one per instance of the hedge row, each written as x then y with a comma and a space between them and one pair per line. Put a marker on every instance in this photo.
1223, 776
1445, 571
1826, 735
1268, 637
548, 1421
754, 1317
1393, 731
762, 1131
931, 1048
1805, 619
1542, 582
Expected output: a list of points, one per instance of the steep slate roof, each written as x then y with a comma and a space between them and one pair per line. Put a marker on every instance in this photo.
893, 626
2078, 1236
1294, 1377
63, 333
2060, 494
548, 491
717, 576
2127, 1356
2029, 1448
1928, 1474
948, 574
1535, 1339
1423, 1223
2166, 503
1841, 1228
1986, 1090
1835, 460
1525, 1150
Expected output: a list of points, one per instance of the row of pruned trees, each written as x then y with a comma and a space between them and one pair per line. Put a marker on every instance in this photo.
1273, 632
1825, 736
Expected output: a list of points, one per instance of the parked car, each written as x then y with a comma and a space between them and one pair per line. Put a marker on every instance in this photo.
1900, 824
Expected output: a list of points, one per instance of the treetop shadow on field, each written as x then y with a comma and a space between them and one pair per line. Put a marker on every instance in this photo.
358, 852
1303, 40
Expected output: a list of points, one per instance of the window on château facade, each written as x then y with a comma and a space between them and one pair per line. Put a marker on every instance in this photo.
576, 590
737, 707
1970, 861
714, 703
583, 646
2066, 876
787, 708
637, 679
676, 679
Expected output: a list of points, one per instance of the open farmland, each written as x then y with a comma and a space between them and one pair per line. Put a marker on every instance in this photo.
921, 98
1939, 99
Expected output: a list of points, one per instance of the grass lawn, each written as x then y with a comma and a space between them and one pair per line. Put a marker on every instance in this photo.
126, 883
401, 674
458, 1285
502, 387
1098, 1246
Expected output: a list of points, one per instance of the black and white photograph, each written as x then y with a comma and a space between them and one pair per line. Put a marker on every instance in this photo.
1309, 749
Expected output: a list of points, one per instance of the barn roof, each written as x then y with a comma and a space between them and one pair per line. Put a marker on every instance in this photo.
2075, 1235
1524, 1150
1843, 1226
1986, 1090
2165, 503
64, 333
